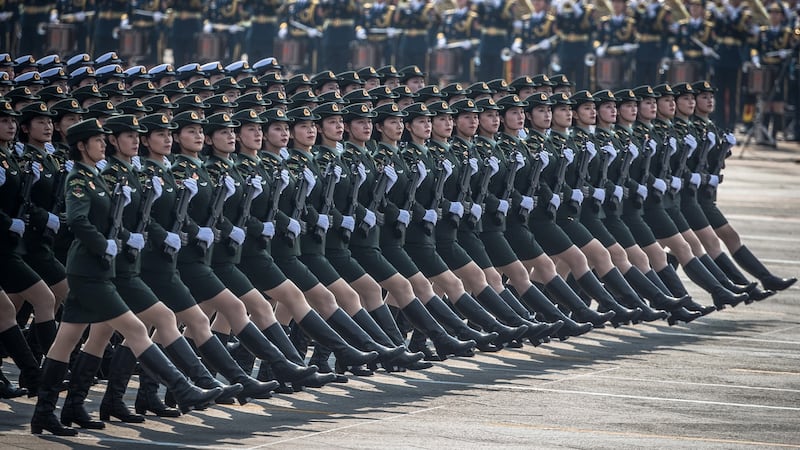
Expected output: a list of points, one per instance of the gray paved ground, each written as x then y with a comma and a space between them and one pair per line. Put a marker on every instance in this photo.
729, 380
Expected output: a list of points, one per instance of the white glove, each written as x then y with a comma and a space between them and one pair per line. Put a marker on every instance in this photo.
124, 24
473, 166
101, 164
284, 180
476, 210
591, 149
713, 180
569, 154
423, 172
206, 236
784, 53
503, 207
712, 138
629, 47
392, 32
676, 183
136, 240
652, 9
673, 146
19, 148
233, 29
191, 185
173, 241
404, 217
36, 170
695, 179
618, 193
111, 248
707, 51
642, 191
136, 162
230, 187
599, 195
17, 227
349, 223
691, 142
391, 176
660, 185
730, 138
430, 216
653, 146
237, 235
634, 150
337, 174
600, 51
53, 17
577, 9
447, 166
526, 203
5, 16
369, 218
68, 165
544, 44
282, 33
2, 176
49, 148
494, 164
519, 160
256, 183
756, 61
516, 47
314, 33
268, 229
208, 27
577, 196
166, 161
361, 34
679, 56
441, 42
612, 152
311, 180
53, 223
158, 187
158, 16
545, 158
466, 45
456, 208
324, 222
126, 193
293, 227
361, 171
555, 200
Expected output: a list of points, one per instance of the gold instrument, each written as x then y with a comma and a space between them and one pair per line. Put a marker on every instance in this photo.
759, 12
679, 11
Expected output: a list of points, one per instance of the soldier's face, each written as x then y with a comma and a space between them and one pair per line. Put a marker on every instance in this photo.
278, 135
331, 128
159, 142
696, 11
251, 137
93, 149
607, 113
304, 134
402, 102
330, 86
360, 130
685, 104
618, 6
541, 117
525, 92
666, 106
627, 112
546, 89
586, 114
415, 83
420, 128
8, 128
539, 5
222, 140
442, 126
372, 83
392, 82
350, 88
190, 138
67, 121
39, 129
126, 143
391, 128
705, 103
467, 124
562, 117
648, 109
489, 121
514, 118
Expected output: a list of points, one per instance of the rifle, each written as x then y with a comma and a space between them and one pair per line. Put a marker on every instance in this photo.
411, 193
463, 188
59, 197
533, 184
244, 212
511, 175
483, 190
702, 160
117, 208
583, 171
327, 198
604, 163
724, 152
378, 199
664, 168
144, 218
680, 170
646, 177
181, 213
25, 191
438, 193
624, 175
299, 202
352, 197
273, 205
560, 180
215, 211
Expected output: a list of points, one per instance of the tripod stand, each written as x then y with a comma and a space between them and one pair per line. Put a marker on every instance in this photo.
758, 126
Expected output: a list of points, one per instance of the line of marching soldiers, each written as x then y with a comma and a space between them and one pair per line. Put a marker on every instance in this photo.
241, 216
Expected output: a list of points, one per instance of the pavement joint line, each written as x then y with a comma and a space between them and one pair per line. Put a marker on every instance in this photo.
730, 338
582, 375
85, 436
332, 430
494, 387
787, 262
769, 238
644, 435
772, 372
763, 218
733, 386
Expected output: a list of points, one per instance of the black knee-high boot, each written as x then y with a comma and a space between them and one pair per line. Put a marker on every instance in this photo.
423, 319
754, 267
537, 302
316, 327
80, 381
353, 333
147, 398
371, 327
723, 279
123, 364
17, 347
45, 333
650, 291
474, 312
735, 275
592, 286
44, 417
698, 273
673, 282
280, 339
385, 319
536, 333
565, 296
616, 284
252, 338
443, 314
